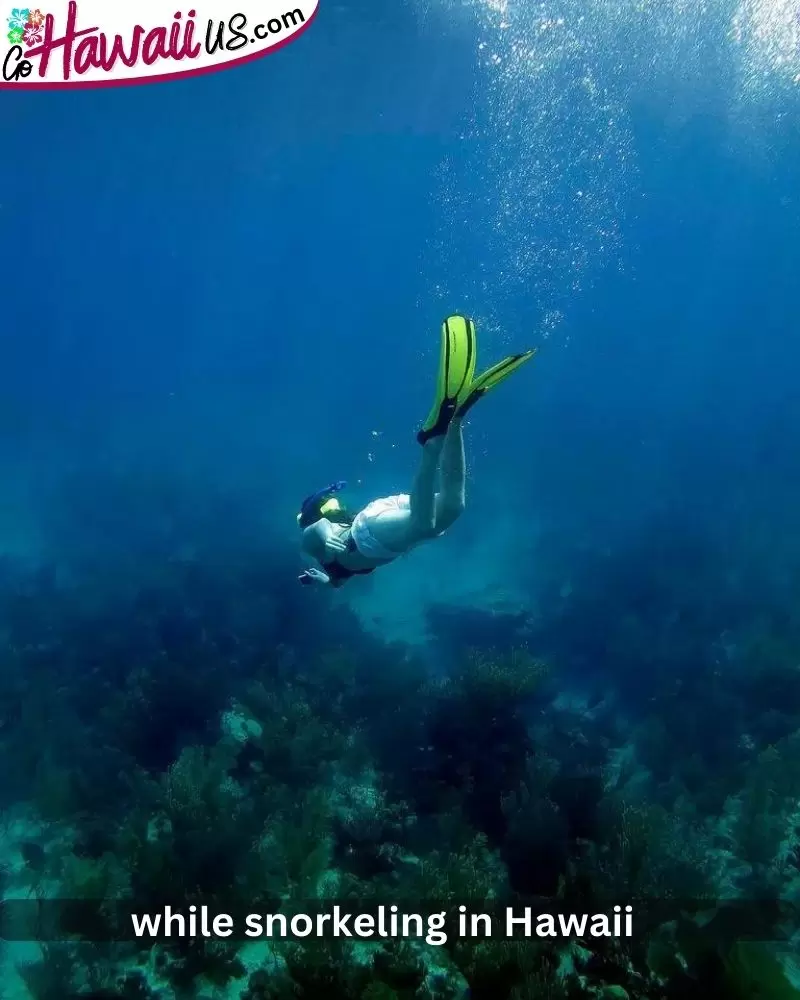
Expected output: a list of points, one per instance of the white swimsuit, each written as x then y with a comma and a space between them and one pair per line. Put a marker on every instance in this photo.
361, 530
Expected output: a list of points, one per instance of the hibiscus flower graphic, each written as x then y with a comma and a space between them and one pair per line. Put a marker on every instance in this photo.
32, 35
35, 18
19, 18
15, 36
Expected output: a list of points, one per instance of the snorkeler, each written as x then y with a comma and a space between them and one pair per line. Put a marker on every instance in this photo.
348, 545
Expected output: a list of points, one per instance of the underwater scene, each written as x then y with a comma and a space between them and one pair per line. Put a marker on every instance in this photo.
399, 521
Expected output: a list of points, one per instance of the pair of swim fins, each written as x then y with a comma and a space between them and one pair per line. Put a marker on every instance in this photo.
457, 389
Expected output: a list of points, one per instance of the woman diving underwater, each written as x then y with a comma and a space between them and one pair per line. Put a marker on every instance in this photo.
348, 545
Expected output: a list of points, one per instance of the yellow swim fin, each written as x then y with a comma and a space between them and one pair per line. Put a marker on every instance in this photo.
493, 376
456, 368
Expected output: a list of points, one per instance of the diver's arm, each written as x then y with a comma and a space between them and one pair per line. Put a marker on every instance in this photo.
322, 542
314, 540
312, 575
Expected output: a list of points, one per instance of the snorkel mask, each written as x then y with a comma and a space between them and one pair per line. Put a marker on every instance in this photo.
323, 503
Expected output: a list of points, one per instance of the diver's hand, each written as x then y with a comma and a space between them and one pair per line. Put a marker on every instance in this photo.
334, 547
313, 576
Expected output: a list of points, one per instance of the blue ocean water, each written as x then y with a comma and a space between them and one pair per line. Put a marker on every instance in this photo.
242, 276
224, 292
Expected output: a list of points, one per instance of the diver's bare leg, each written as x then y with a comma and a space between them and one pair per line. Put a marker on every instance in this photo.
423, 492
451, 500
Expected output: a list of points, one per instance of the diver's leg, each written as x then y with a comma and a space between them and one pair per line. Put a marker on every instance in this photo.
423, 492
402, 525
451, 500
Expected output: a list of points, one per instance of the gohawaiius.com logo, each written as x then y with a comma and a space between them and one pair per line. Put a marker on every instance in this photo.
95, 43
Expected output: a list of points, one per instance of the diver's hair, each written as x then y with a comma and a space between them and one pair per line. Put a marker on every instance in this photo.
314, 514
